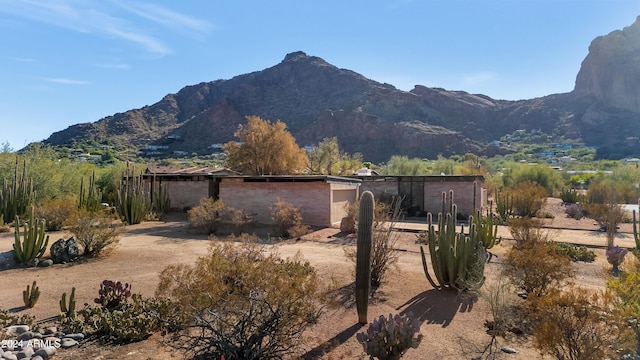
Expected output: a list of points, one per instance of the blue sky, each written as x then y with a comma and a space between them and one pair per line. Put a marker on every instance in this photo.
65, 62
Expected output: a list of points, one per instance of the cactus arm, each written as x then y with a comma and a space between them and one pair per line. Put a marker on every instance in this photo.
426, 269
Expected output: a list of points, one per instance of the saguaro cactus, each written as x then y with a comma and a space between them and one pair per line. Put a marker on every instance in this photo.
363, 255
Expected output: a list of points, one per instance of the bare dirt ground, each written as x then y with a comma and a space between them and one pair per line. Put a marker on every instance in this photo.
452, 325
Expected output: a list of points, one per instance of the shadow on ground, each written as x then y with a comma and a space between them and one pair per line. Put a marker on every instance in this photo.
326, 347
437, 306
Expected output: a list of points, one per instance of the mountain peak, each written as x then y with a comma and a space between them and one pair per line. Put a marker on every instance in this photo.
294, 56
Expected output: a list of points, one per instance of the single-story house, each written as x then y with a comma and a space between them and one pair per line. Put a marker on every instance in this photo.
322, 199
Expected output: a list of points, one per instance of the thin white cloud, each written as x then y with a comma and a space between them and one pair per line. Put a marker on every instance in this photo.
117, 66
165, 16
482, 77
100, 18
66, 81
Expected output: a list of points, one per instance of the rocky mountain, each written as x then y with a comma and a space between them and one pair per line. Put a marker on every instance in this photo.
318, 100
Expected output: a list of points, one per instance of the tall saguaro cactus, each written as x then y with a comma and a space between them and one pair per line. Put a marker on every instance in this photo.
363, 254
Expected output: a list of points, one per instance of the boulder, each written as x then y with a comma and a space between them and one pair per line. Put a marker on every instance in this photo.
8, 260
63, 251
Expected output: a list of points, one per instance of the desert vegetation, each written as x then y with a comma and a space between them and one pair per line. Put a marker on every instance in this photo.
220, 303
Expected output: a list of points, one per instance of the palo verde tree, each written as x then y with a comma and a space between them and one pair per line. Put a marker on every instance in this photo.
265, 148
327, 159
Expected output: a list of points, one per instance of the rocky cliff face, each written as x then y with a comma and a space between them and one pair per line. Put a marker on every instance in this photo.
611, 70
318, 100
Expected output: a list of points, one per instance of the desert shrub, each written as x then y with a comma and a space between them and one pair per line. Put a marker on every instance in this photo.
625, 294
536, 267
96, 233
574, 252
569, 196
527, 230
207, 215
242, 220
235, 310
528, 199
574, 211
384, 253
501, 300
571, 325
390, 338
601, 205
615, 256
287, 220
57, 212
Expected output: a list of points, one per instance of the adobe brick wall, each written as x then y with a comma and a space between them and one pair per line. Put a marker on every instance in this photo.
462, 197
185, 194
341, 196
312, 198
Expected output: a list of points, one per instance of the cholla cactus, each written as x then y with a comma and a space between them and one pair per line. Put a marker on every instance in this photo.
113, 294
390, 338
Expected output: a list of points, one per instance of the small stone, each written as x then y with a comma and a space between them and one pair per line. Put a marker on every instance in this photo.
16, 330
9, 356
51, 339
25, 353
508, 350
67, 343
76, 336
37, 335
45, 263
59, 334
50, 330
37, 357
45, 352
27, 335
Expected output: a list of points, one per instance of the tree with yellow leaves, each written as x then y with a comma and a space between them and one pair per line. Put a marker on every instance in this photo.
265, 148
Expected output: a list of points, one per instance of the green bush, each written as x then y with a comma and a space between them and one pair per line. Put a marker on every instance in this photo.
569, 196
574, 252
235, 310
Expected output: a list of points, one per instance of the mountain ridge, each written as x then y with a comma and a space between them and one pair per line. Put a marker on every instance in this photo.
318, 100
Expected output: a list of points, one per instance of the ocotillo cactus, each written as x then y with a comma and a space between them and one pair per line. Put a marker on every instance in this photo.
31, 295
69, 310
363, 255
457, 259
35, 242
